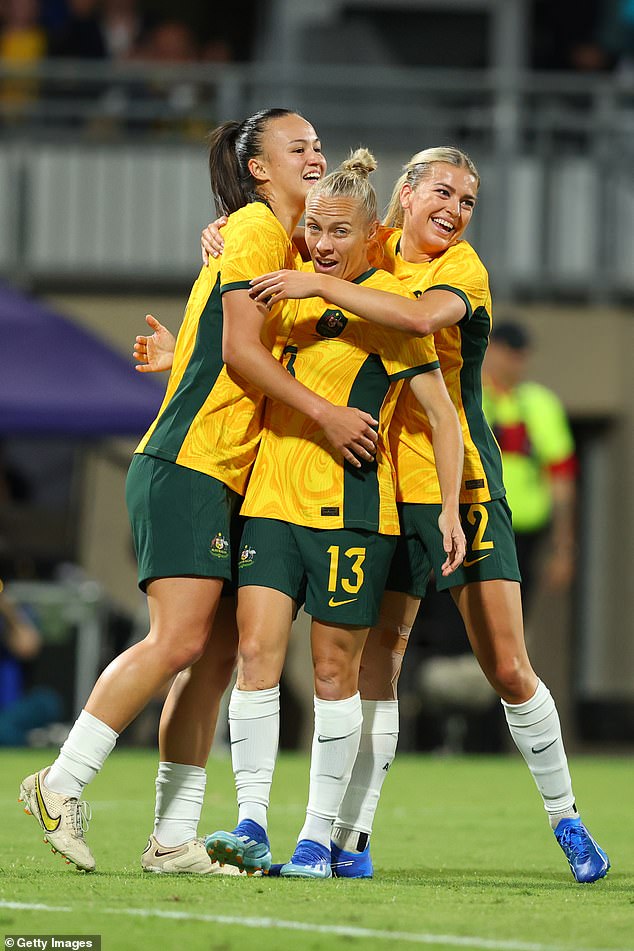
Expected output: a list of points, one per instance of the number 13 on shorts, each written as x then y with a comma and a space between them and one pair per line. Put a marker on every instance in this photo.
353, 568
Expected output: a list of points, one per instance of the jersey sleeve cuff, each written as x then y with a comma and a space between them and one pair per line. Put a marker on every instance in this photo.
414, 371
454, 290
235, 286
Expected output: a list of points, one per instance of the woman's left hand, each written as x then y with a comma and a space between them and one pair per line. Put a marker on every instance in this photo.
270, 288
454, 541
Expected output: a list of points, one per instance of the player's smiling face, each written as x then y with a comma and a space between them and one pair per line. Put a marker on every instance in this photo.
338, 236
438, 210
292, 159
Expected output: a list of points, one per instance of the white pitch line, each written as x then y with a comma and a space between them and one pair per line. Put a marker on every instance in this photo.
455, 941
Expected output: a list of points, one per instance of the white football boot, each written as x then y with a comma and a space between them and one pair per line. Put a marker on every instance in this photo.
63, 819
190, 858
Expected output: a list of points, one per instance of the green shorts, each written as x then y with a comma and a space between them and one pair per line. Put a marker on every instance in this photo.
183, 522
338, 573
491, 552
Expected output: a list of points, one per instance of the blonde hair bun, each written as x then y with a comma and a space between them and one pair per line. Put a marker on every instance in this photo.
359, 162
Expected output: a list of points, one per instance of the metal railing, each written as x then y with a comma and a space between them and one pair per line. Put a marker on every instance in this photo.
102, 166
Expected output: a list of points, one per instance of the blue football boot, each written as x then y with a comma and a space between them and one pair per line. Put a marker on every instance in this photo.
247, 847
351, 864
588, 862
309, 860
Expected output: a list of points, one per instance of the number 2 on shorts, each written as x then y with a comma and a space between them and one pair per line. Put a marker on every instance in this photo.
478, 514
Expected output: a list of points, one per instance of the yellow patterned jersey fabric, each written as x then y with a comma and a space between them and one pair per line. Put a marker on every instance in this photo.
211, 419
297, 476
460, 350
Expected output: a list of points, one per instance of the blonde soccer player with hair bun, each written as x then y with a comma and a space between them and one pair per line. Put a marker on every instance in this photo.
321, 533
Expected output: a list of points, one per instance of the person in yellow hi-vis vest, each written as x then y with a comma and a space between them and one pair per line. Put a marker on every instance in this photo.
538, 454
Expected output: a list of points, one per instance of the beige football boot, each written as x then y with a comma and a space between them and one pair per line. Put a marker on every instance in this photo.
63, 819
190, 858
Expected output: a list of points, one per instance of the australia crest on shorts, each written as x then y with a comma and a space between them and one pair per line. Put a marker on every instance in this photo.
219, 546
246, 556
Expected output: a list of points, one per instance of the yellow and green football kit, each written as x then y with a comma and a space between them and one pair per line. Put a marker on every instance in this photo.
298, 480
210, 421
485, 515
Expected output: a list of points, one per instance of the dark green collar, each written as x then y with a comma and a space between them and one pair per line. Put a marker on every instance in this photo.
363, 277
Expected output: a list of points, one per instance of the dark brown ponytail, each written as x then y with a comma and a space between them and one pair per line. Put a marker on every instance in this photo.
231, 145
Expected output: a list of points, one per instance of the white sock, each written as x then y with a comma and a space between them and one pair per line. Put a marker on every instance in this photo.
536, 731
180, 791
335, 746
377, 748
86, 749
254, 729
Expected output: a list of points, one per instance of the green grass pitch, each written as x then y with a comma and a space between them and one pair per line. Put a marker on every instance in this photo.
464, 858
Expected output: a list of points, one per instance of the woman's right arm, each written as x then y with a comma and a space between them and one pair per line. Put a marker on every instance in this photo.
431, 392
424, 315
351, 431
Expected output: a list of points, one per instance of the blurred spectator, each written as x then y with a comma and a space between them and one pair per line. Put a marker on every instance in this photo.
565, 35
216, 50
584, 35
228, 31
22, 708
538, 455
20, 643
171, 42
81, 36
23, 42
53, 15
123, 27
616, 33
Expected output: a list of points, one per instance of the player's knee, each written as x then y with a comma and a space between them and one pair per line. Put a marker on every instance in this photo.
513, 679
186, 655
379, 683
178, 651
258, 665
335, 681
381, 665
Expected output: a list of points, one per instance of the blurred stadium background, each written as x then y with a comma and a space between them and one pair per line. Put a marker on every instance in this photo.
104, 107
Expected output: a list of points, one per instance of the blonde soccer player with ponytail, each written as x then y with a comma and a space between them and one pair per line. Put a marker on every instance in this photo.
431, 207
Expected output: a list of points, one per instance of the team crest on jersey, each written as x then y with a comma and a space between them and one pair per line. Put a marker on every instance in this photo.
219, 546
331, 323
246, 556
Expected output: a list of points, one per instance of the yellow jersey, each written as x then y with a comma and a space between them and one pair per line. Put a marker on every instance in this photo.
297, 477
460, 349
211, 419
